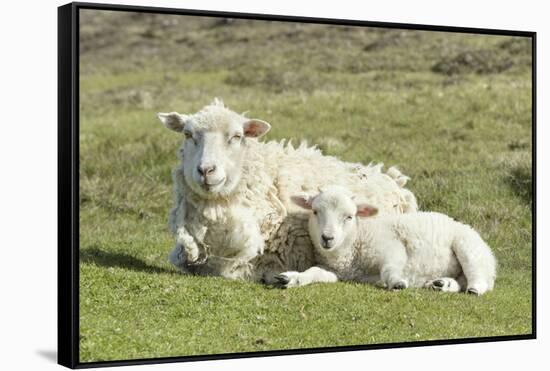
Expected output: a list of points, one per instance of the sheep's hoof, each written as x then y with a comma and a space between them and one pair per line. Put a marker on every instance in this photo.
282, 279
200, 260
472, 291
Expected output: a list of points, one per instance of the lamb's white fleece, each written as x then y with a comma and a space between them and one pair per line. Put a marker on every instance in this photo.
422, 249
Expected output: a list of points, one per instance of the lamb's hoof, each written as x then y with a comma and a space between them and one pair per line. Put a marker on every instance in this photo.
438, 283
282, 279
472, 291
287, 280
401, 285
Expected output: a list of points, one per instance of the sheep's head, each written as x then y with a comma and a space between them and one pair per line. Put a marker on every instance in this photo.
332, 222
214, 146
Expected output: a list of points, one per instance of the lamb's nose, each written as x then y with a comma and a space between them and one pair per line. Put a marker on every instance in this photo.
326, 238
206, 169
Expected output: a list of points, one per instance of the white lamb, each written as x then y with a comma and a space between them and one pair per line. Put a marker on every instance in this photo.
232, 213
422, 249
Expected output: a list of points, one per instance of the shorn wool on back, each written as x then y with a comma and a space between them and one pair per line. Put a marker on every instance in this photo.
232, 213
422, 249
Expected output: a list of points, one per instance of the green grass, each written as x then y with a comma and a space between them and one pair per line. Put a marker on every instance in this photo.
453, 110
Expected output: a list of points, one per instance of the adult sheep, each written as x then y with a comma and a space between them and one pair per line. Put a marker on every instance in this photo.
233, 214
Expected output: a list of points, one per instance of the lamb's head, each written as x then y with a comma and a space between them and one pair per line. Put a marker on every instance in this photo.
332, 223
214, 147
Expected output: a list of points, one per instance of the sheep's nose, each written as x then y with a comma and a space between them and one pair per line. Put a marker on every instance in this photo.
206, 169
326, 238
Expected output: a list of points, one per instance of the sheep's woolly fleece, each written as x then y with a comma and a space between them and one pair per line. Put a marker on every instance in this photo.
272, 172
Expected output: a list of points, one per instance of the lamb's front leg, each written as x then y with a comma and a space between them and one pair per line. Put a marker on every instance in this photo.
309, 276
394, 261
392, 278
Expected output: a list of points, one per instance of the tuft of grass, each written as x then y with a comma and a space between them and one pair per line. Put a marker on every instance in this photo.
519, 173
363, 94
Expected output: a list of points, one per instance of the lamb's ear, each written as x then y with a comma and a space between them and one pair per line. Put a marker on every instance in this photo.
303, 201
255, 128
173, 120
366, 210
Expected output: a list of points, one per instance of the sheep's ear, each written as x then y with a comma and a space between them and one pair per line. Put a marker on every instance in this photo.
303, 201
366, 210
255, 128
173, 120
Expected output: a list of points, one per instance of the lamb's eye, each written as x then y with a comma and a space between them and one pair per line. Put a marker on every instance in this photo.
314, 212
235, 138
348, 218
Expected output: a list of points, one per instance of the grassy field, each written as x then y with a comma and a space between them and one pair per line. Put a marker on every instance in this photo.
452, 110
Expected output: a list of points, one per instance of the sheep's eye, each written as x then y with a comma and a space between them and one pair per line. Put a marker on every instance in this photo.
189, 135
348, 218
314, 212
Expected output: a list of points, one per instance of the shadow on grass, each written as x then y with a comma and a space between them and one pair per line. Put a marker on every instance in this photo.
110, 259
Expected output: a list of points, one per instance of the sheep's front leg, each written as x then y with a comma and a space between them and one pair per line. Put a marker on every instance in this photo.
186, 250
189, 245
177, 257
245, 240
252, 246
312, 275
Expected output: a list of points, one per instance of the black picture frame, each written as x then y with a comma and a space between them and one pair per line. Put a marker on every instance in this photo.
68, 181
